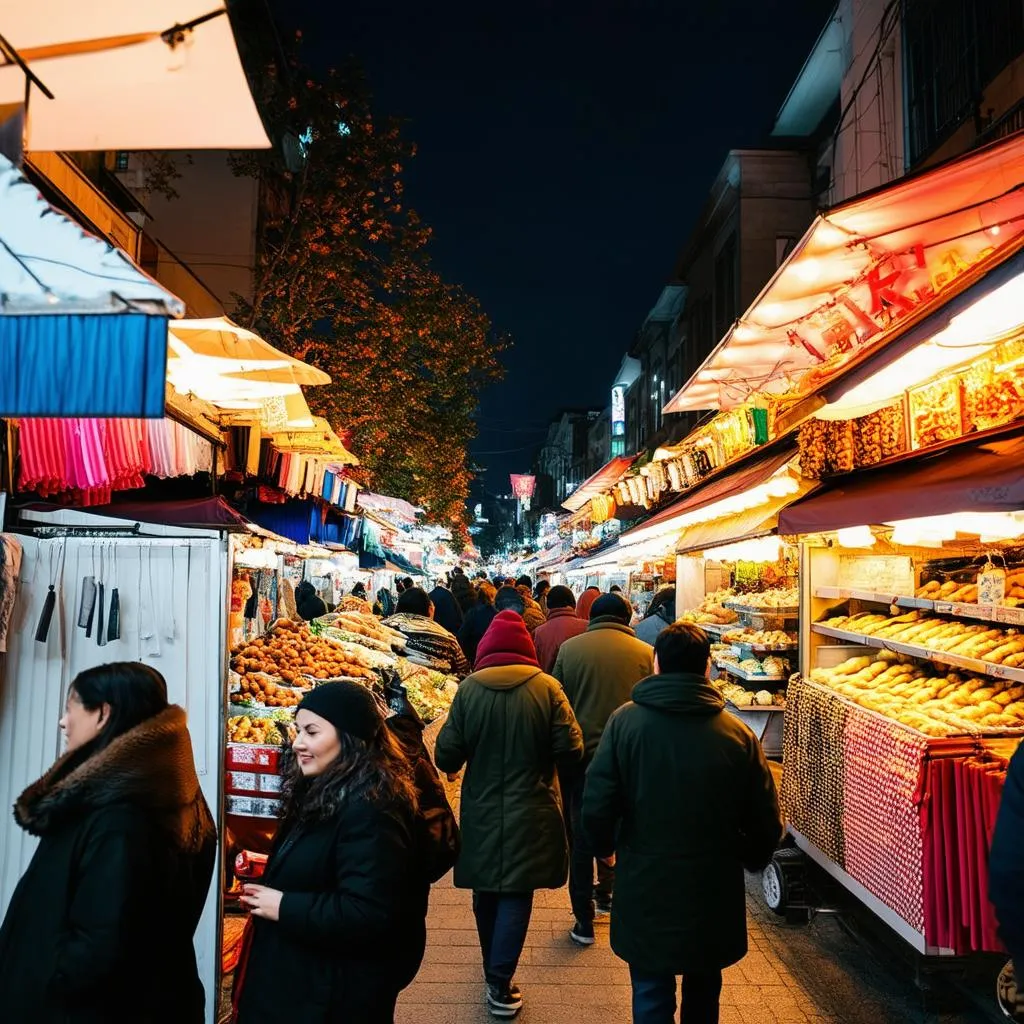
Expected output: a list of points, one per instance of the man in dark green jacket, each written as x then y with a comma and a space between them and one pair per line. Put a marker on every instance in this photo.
682, 792
598, 671
511, 725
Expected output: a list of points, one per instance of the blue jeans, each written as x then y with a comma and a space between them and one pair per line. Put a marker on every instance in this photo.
654, 997
502, 920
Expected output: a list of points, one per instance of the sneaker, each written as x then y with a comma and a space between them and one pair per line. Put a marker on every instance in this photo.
602, 906
504, 1000
582, 934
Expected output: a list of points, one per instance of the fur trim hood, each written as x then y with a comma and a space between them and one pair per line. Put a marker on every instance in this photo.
150, 767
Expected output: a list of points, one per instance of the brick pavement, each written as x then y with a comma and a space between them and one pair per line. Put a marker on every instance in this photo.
563, 984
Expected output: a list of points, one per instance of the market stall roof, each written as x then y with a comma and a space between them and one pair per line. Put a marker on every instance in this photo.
606, 477
982, 477
759, 521
731, 485
862, 273
68, 299
394, 562
204, 512
383, 503
124, 75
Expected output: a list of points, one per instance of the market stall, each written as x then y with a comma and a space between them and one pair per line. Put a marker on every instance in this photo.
910, 696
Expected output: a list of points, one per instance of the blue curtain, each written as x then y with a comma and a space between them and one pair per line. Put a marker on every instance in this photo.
103, 364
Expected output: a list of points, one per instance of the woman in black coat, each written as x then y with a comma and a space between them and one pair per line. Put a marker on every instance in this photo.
339, 921
100, 927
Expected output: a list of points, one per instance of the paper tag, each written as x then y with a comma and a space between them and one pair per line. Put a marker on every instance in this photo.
1011, 616
943, 608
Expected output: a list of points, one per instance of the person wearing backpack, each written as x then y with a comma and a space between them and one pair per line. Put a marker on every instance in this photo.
511, 726
341, 909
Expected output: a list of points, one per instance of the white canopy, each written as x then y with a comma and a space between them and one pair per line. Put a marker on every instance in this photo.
48, 264
121, 80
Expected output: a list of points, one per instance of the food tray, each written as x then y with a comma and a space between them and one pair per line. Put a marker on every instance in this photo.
745, 650
747, 677
788, 611
767, 727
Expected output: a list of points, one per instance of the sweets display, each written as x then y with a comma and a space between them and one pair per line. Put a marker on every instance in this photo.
768, 600
976, 640
935, 413
768, 639
741, 697
711, 610
250, 729
966, 592
923, 697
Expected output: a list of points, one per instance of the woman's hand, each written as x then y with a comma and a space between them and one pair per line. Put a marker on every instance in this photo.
263, 902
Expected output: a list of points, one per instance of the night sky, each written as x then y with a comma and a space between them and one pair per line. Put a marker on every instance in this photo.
565, 150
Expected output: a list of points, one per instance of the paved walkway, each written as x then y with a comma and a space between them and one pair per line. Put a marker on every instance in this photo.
563, 984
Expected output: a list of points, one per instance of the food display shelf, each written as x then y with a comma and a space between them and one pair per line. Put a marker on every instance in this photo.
983, 612
975, 665
788, 612
717, 628
748, 677
743, 646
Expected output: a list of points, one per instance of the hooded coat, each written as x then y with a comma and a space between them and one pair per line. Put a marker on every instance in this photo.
598, 670
512, 727
587, 598
100, 927
681, 791
476, 623
649, 628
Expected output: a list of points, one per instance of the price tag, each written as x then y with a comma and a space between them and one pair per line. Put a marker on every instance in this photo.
1011, 616
971, 611
943, 608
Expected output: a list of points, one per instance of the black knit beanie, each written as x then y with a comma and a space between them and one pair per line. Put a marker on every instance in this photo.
349, 707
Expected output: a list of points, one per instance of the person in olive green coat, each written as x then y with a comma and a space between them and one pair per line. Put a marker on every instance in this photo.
511, 725
681, 791
598, 670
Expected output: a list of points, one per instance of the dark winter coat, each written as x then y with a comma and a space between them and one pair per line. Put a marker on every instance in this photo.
447, 612
351, 928
598, 671
100, 928
680, 790
512, 727
649, 629
1006, 862
474, 625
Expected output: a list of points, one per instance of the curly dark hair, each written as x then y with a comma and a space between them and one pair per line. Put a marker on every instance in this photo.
379, 771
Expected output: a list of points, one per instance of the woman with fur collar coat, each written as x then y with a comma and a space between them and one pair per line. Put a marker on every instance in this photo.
100, 927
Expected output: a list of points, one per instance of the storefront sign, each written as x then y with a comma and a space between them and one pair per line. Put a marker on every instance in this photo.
618, 411
881, 574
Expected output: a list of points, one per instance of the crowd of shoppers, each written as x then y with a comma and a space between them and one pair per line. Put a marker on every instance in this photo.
565, 725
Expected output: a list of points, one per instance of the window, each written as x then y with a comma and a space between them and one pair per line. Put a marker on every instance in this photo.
121, 160
726, 280
952, 50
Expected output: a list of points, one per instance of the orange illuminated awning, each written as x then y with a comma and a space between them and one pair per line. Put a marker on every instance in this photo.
865, 271
604, 479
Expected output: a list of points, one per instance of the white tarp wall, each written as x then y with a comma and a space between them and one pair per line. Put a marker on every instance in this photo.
188, 570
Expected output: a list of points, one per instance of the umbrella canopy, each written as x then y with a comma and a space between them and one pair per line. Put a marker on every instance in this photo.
83, 331
129, 75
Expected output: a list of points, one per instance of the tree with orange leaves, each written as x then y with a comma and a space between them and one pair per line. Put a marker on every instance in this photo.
344, 281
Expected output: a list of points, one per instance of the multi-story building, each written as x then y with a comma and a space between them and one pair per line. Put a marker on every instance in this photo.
561, 463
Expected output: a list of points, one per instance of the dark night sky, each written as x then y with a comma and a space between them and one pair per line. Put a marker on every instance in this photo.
565, 150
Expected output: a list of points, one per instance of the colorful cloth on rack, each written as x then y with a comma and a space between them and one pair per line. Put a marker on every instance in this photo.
88, 459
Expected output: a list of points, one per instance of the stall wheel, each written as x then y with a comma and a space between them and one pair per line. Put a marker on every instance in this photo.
784, 884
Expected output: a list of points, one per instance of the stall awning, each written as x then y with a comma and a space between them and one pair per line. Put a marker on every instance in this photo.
731, 485
396, 509
394, 562
604, 479
83, 331
754, 522
164, 74
984, 477
200, 512
863, 273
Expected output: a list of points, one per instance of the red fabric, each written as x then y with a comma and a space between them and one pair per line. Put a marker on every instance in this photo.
506, 642
562, 624
589, 596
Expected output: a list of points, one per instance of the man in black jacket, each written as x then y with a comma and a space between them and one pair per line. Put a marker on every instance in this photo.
682, 792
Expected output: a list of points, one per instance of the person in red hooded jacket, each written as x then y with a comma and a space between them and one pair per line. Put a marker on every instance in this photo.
511, 726
587, 598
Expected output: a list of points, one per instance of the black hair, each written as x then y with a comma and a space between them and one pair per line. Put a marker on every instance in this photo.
524, 581
682, 647
414, 601
615, 589
509, 599
378, 770
359, 590
561, 597
543, 586
664, 598
611, 606
135, 693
